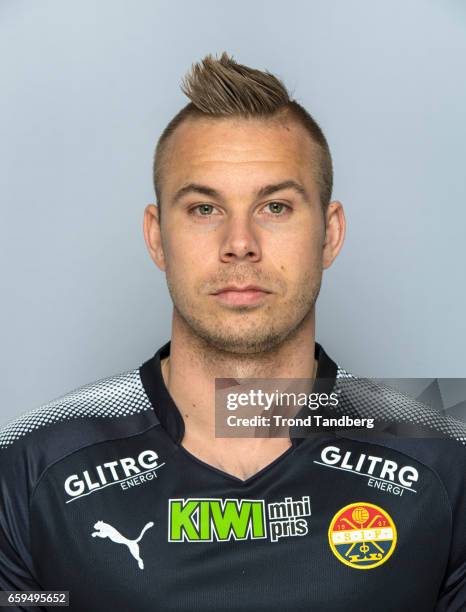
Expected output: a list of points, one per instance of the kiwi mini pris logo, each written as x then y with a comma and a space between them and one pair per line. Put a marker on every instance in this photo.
220, 520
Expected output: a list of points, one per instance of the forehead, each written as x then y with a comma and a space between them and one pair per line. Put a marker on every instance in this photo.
239, 147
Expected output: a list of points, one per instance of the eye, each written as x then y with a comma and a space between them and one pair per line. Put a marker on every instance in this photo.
205, 210
277, 208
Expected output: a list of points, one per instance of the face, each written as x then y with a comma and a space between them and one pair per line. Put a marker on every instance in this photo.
241, 208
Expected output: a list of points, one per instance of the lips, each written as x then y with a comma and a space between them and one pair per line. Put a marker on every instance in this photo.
238, 288
247, 295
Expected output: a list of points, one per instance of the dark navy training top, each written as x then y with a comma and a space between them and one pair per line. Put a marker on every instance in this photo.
99, 498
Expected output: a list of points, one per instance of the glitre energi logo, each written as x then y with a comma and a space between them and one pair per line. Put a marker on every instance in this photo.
362, 535
125, 472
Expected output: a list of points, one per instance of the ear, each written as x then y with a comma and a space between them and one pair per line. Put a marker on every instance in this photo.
335, 233
153, 236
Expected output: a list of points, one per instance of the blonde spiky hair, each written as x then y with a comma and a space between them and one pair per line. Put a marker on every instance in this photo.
221, 87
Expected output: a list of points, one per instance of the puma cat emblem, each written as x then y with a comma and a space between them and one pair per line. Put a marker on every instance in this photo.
104, 530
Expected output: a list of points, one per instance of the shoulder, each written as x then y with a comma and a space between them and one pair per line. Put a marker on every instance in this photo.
409, 427
400, 414
115, 407
111, 407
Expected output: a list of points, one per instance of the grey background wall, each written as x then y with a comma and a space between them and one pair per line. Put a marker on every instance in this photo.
87, 87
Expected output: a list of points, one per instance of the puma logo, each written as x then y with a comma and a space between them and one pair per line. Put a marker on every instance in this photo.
104, 530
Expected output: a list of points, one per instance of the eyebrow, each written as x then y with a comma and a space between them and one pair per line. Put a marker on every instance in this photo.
261, 193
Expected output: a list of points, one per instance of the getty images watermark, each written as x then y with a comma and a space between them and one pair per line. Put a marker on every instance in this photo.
279, 407
271, 407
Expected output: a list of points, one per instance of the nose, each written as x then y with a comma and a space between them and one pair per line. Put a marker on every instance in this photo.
239, 241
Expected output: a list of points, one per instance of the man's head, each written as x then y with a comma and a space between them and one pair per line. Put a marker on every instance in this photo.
243, 175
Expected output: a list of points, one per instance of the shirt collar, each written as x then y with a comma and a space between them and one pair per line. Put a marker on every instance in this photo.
167, 411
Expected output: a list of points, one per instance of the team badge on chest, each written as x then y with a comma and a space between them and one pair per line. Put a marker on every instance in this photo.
362, 535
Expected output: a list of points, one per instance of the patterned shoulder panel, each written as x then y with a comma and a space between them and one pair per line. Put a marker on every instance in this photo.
111, 397
363, 397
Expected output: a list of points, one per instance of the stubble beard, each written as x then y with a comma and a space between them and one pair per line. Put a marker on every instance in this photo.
247, 334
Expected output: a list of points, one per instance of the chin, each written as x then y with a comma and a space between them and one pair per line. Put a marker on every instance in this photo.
243, 344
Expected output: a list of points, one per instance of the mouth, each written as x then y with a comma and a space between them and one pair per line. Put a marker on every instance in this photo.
233, 295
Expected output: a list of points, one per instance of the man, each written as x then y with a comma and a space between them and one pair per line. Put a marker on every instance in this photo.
121, 493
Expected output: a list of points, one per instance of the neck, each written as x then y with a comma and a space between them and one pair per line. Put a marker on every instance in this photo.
189, 374
190, 370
